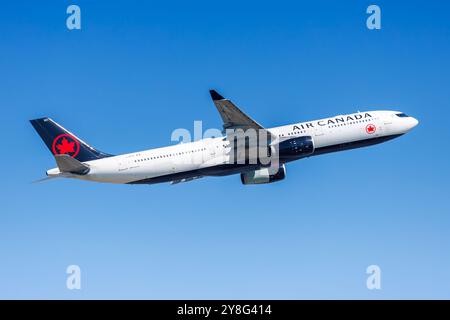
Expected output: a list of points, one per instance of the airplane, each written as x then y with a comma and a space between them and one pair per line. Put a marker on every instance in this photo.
217, 156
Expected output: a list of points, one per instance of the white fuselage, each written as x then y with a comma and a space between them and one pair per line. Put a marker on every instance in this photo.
192, 158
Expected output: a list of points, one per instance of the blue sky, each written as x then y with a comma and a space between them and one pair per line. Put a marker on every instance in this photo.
138, 70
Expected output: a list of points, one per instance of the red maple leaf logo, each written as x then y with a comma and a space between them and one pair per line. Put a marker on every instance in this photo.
370, 128
65, 146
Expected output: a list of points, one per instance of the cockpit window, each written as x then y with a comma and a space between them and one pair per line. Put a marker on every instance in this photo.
402, 115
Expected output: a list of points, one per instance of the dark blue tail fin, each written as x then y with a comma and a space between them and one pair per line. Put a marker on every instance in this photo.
61, 141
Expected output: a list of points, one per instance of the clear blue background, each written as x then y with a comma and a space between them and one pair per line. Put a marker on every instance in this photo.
138, 70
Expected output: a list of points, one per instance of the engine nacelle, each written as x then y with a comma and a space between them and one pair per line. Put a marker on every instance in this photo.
296, 147
264, 175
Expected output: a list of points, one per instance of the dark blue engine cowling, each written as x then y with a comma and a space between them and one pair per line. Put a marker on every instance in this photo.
296, 148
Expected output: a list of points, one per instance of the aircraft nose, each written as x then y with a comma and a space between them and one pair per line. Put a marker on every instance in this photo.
412, 122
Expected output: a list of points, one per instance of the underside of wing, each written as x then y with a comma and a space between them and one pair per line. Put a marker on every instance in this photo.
185, 180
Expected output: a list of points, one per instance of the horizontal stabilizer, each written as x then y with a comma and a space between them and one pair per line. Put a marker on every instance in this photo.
70, 165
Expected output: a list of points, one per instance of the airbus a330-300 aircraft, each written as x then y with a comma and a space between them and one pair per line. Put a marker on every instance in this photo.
214, 156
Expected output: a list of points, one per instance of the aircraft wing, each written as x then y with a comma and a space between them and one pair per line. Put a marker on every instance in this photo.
232, 116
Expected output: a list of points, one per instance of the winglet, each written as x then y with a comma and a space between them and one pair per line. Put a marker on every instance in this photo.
215, 96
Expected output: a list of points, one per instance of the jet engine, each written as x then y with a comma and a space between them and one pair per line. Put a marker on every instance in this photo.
264, 175
296, 147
